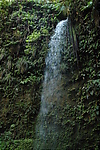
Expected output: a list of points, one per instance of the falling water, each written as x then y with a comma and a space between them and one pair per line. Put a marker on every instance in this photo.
47, 128
52, 73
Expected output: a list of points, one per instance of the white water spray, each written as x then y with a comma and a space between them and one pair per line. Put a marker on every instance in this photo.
47, 131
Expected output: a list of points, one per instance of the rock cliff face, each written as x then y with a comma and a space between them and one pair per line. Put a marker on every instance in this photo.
96, 12
87, 100
25, 29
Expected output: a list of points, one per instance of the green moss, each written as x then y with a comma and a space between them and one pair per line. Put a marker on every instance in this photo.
26, 144
25, 29
45, 32
33, 37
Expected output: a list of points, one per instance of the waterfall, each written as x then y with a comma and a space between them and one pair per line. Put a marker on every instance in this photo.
53, 60
47, 128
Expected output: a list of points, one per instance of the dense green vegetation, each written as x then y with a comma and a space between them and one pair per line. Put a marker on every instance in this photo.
25, 30
85, 111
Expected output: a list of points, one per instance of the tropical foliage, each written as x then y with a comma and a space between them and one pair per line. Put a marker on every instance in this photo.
25, 30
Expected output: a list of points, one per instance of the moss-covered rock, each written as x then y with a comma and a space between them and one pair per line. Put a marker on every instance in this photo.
25, 29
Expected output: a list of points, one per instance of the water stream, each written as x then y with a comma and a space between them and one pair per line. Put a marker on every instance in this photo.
53, 93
